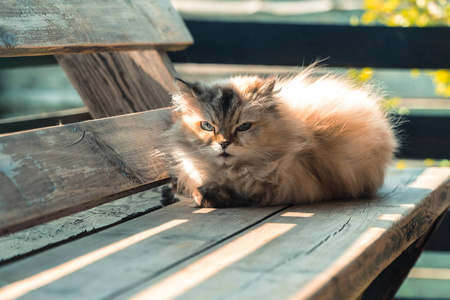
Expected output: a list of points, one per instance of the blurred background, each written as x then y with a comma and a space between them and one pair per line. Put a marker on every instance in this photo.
357, 38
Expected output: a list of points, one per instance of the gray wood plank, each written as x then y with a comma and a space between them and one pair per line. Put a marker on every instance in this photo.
41, 120
45, 27
333, 248
79, 224
117, 83
387, 283
326, 251
48, 173
111, 261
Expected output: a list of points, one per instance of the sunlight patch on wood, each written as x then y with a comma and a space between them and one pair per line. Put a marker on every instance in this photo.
211, 264
390, 217
431, 178
203, 210
22, 287
408, 205
294, 214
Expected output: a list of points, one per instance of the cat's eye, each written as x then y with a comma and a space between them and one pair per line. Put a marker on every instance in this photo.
244, 126
206, 126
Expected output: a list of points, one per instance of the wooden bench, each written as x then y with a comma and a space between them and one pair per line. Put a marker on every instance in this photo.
79, 221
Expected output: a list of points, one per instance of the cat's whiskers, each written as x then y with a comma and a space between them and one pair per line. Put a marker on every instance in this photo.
261, 155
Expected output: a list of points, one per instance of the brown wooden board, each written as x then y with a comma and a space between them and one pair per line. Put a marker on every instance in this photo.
118, 83
27, 122
47, 173
324, 251
329, 250
42, 236
386, 285
45, 27
106, 263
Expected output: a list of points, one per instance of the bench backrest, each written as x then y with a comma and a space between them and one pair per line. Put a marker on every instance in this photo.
52, 172
48, 173
109, 82
45, 27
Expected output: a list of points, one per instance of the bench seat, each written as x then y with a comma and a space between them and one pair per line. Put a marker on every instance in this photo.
329, 250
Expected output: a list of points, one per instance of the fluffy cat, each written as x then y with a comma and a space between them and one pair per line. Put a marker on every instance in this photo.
250, 141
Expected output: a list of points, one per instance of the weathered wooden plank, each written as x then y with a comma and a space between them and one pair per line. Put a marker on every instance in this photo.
111, 261
117, 83
44, 120
332, 251
47, 27
386, 285
48, 173
243, 253
54, 232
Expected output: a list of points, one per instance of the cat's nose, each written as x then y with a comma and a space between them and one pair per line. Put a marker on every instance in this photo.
224, 144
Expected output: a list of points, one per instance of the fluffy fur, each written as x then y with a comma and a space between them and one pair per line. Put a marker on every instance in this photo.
309, 139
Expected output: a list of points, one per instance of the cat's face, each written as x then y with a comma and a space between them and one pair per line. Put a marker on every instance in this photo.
229, 123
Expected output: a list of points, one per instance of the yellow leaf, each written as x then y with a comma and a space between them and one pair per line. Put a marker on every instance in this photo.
444, 163
368, 17
443, 75
354, 21
440, 88
366, 74
415, 73
428, 162
401, 164
447, 92
403, 111
423, 20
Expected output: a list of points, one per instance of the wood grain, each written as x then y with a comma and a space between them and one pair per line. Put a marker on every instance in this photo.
45, 27
335, 250
329, 250
105, 278
79, 224
41, 120
117, 83
386, 285
48, 173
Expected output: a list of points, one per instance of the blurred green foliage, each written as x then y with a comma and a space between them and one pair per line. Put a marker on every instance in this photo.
392, 104
408, 13
441, 79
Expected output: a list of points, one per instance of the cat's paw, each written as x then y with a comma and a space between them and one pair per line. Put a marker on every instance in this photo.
208, 196
168, 196
212, 195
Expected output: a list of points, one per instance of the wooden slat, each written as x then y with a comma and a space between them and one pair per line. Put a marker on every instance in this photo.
28, 241
28, 122
240, 253
301, 44
126, 254
117, 83
386, 285
334, 250
45, 27
51, 172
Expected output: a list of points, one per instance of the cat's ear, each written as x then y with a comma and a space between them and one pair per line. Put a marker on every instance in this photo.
268, 86
186, 99
187, 88
264, 87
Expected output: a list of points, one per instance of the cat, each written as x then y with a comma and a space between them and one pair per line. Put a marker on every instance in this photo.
250, 141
